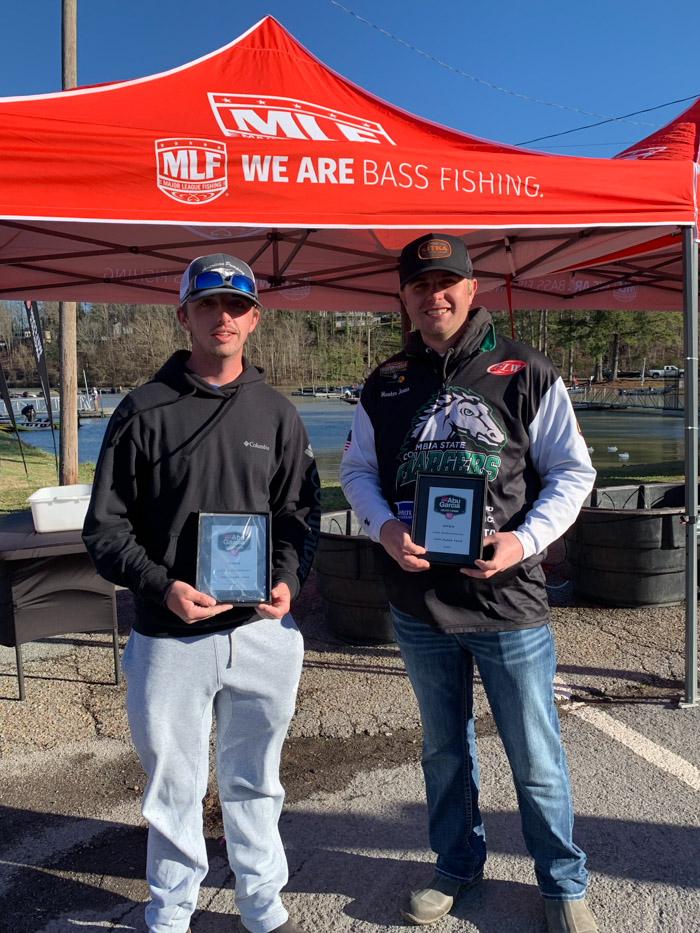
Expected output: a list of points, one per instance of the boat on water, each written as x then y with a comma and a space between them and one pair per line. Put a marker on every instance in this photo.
323, 391
351, 394
23, 425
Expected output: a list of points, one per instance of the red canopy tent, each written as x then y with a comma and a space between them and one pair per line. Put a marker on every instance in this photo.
650, 272
678, 140
663, 273
107, 192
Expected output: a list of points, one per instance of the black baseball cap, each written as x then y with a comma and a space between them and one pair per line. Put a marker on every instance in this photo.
434, 251
216, 274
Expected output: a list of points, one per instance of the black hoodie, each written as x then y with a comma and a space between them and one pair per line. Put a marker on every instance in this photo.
177, 446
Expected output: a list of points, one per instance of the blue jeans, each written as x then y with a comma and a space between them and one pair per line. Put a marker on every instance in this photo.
517, 669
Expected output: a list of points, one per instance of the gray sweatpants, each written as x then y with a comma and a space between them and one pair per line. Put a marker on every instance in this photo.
249, 678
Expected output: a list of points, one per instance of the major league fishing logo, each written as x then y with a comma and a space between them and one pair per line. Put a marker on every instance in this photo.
193, 171
260, 116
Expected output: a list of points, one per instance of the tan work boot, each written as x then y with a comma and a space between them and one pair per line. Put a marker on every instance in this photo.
434, 899
569, 917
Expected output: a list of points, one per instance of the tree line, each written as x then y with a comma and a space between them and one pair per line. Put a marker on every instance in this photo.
123, 345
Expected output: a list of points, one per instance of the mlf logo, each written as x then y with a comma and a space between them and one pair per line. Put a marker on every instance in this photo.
651, 152
297, 289
191, 170
260, 117
625, 292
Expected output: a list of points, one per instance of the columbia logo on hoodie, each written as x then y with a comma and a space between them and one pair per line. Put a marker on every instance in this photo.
255, 445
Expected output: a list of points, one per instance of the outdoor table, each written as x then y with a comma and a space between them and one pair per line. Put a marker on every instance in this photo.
48, 586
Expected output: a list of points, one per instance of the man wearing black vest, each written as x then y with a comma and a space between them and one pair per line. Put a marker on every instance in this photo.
461, 401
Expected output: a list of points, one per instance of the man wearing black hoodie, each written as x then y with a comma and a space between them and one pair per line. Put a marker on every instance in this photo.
208, 435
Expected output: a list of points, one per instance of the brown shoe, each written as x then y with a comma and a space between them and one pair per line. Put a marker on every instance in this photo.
434, 899
569, 917
289, 926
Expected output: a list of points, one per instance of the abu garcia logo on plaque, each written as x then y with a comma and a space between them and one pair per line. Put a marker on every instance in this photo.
449, 506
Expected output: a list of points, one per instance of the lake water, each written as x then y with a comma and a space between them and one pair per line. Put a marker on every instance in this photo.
647, 436
327, 423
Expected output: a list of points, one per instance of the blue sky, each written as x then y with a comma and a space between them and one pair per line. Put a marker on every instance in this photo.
608, 57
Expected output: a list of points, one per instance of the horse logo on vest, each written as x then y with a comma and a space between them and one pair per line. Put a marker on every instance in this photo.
457, 414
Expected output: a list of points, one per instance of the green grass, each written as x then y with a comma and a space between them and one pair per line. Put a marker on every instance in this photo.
332, 498
41, 467
672, 471
15, 487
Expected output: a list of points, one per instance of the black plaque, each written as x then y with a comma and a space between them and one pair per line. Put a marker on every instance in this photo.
233, 557
448, 517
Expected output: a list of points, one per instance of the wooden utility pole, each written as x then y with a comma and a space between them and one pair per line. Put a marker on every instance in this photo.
67, 313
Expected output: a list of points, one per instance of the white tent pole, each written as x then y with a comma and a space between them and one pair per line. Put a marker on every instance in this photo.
690, 325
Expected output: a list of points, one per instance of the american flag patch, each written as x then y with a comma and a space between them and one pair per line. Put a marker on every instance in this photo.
348, 442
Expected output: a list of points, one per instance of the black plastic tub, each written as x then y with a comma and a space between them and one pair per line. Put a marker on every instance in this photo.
627, 547
349, 578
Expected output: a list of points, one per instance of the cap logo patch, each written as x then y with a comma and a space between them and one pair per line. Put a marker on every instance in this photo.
434, 249
506, 368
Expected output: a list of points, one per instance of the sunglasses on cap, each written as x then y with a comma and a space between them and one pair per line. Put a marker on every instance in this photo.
206, 280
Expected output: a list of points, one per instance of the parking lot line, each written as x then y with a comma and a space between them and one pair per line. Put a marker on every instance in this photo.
640, 745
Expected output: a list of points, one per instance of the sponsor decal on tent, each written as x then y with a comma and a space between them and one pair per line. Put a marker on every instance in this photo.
191, 170
263, 117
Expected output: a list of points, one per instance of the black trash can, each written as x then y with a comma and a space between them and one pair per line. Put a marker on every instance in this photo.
627, 546
348, 572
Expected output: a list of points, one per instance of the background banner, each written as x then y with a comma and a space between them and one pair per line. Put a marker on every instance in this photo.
40, 357
5, 394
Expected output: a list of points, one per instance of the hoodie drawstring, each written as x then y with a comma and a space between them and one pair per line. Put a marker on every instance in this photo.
232, 649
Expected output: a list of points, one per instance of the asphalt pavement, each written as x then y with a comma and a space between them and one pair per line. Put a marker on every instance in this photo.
73, 841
